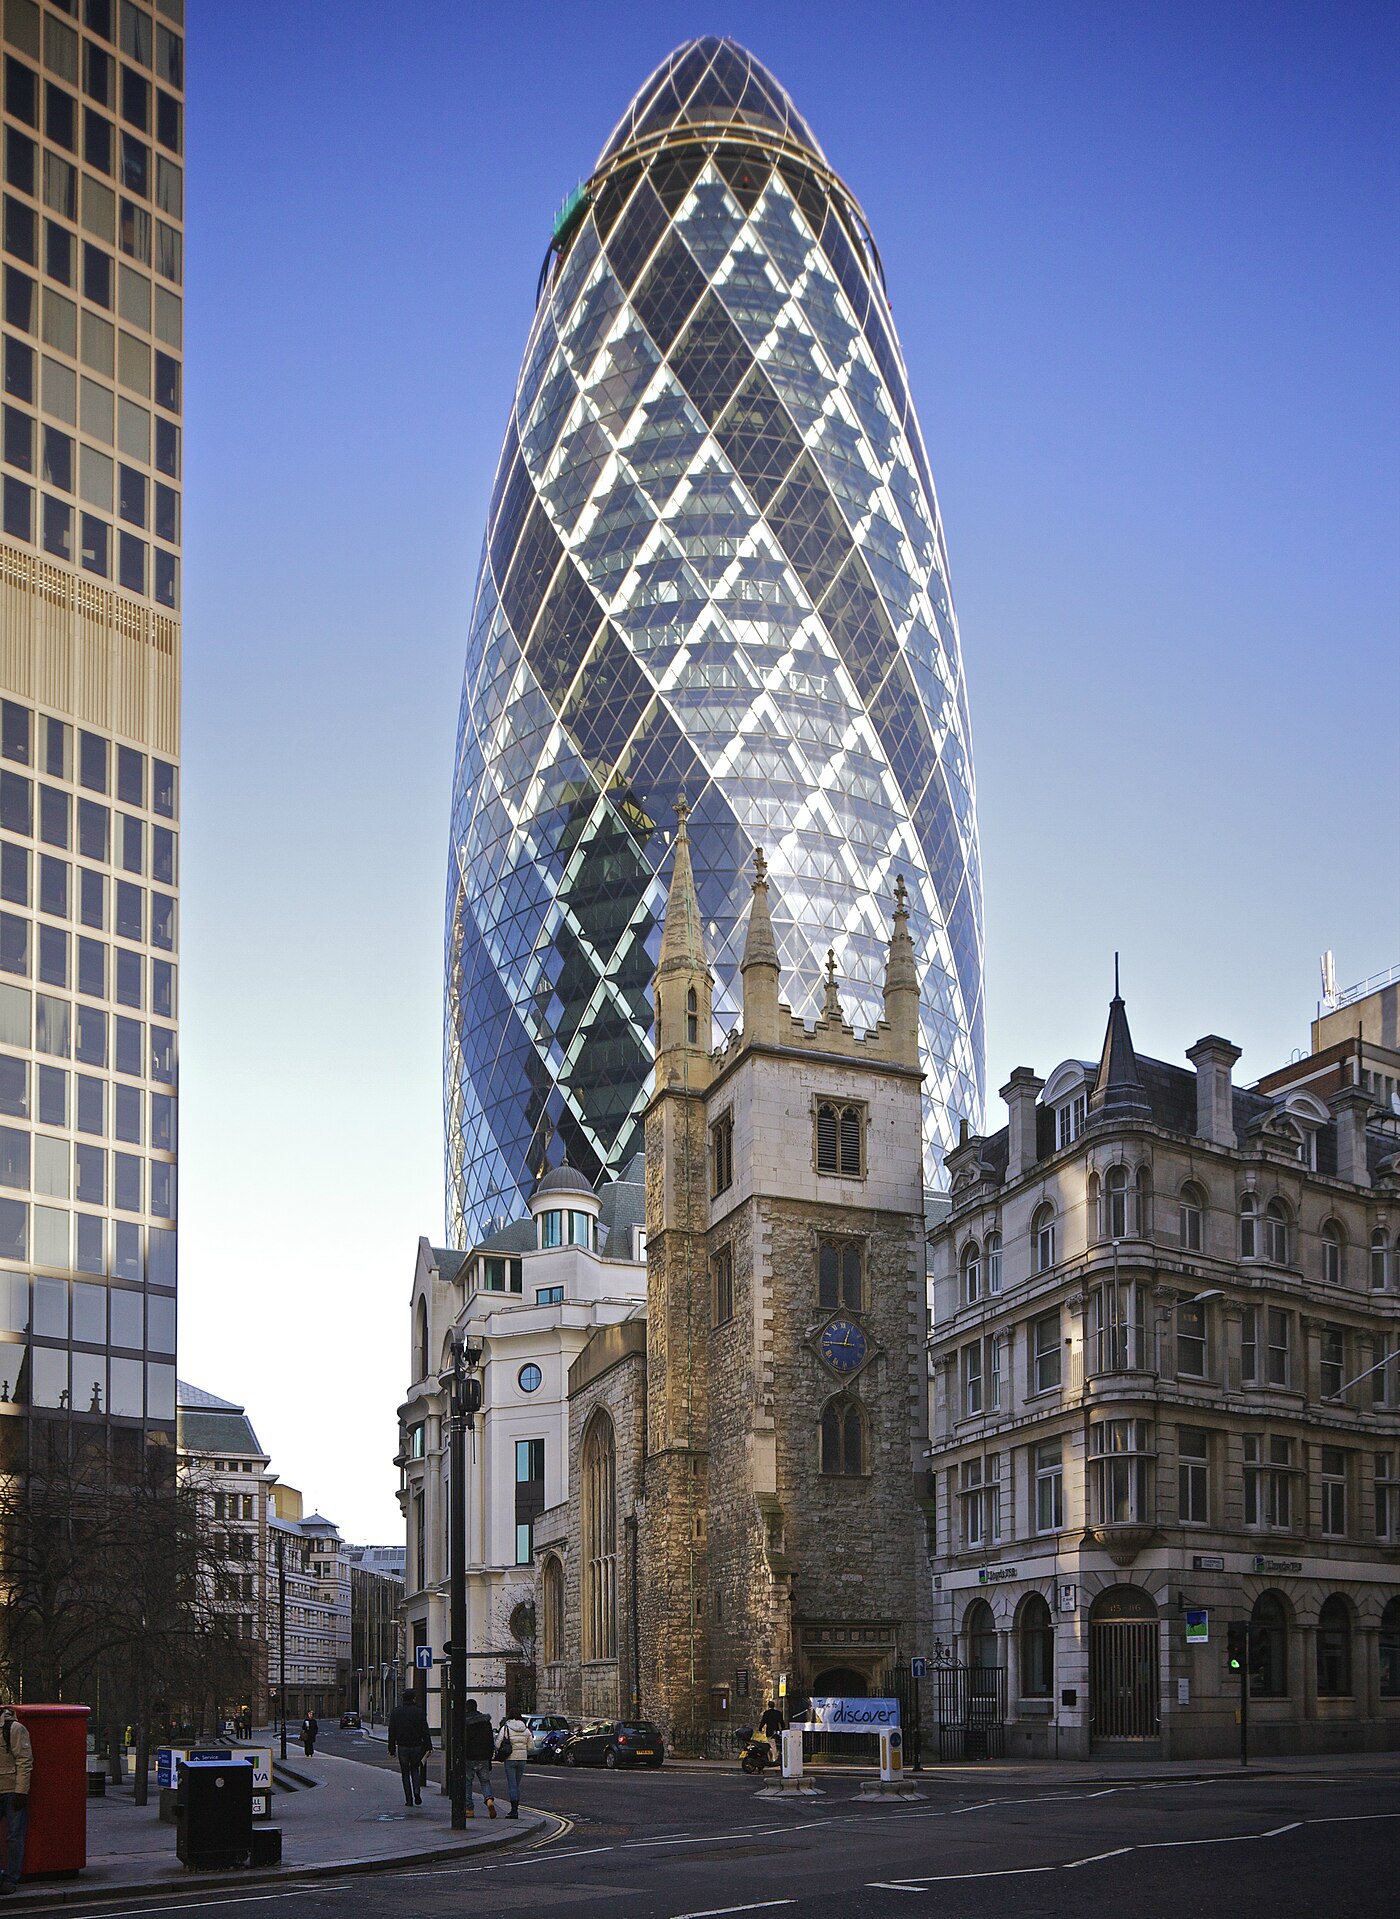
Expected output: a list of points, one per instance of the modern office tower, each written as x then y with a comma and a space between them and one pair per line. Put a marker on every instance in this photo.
713, 566
93, 98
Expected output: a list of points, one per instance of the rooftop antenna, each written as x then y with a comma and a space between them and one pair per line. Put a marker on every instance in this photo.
1328, 966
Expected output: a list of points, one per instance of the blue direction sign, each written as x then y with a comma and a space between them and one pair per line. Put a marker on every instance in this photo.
423, 1658
918, 1668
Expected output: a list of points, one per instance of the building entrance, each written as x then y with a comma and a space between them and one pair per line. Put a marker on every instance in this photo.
1123, 1676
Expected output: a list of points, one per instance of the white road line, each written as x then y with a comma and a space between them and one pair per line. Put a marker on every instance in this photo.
202, 1905
718, 1912
544, 1858
1349, 1818
1094, 1858
700, 1839
949, 1878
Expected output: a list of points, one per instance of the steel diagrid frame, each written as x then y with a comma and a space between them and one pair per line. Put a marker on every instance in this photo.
713, 563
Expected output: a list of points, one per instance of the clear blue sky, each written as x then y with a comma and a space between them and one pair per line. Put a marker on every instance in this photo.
1143, 260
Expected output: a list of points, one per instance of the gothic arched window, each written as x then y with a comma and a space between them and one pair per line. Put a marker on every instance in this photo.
843, 1439
553, 1595
420, 1341
599, 1486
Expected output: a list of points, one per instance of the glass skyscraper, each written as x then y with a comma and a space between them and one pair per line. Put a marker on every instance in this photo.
93, 203
713, 565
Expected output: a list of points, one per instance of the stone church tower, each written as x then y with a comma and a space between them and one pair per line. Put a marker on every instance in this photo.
780, 1527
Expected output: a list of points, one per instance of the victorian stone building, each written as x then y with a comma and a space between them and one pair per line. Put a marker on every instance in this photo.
745, 1500
1167, 1397
526, 1300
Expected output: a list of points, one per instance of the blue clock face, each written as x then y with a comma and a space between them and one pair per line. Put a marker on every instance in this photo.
844, 1346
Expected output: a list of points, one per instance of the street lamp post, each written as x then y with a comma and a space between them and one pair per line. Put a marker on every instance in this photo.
463, 1389
282, 1637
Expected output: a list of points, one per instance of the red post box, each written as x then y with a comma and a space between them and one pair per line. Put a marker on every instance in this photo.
57, 1838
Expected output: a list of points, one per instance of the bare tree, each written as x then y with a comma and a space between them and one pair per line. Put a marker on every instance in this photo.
109, 1590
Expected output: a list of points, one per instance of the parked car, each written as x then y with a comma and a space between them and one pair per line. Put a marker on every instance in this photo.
616, 1742
540, 1725
349, 1722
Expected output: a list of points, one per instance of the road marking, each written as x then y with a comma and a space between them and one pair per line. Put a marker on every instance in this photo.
718, 1912
700, 1839
1094, 1858
543, 1858
202, 1905
916, 1882
1349, 1818
947, 1878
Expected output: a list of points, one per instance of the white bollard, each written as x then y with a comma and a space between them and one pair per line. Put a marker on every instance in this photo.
891, 1756
792, 1754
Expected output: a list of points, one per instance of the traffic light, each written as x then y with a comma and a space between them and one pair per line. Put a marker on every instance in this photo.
1237, 1645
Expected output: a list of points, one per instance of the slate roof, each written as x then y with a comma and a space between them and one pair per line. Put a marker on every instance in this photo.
216, 1434
624, 1205
1164, 1095
188, 1395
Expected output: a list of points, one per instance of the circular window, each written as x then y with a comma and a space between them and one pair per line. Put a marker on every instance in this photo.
531, 1379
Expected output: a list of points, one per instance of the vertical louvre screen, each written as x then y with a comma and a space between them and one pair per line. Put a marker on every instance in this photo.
826, 1139
850, 1142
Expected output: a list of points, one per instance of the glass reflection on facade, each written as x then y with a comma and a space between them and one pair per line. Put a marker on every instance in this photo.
713, 565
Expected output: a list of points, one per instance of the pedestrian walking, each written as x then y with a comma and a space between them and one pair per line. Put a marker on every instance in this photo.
16, 1771
478, 1744
410, 1742
310, 1732
513, 1749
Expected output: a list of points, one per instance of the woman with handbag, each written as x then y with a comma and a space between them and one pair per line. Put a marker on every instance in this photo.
513, 1747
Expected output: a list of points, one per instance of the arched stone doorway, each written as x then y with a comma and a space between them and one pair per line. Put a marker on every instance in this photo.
840, 1682
1124, 1681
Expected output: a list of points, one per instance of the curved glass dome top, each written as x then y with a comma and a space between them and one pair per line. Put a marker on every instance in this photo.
711, 84
713, 565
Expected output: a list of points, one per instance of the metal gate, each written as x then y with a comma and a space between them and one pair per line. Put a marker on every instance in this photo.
1123, 1679
969, 1712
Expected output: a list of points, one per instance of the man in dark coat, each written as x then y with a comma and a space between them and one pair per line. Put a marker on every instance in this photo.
771, 1726
310, 1729
411, 1741
478, 1745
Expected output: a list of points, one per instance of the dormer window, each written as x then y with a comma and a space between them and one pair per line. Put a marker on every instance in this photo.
1070, 1115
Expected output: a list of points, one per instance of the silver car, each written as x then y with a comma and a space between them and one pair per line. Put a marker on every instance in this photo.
540, 1724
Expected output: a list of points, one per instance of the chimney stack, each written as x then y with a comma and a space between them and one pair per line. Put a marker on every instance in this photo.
1021, 1092
1213, 1059
1350, 1109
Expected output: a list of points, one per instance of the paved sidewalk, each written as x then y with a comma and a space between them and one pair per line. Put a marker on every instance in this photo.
353, 1818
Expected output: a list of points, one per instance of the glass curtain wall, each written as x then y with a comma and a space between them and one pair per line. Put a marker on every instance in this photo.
90, 472
713, 565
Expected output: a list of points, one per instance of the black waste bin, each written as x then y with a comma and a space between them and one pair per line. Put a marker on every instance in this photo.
214, 1814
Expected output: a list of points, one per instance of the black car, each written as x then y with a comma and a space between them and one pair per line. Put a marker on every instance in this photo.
349, 1721
616, 1742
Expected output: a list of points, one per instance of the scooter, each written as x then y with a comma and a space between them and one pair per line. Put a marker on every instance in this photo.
757, 1753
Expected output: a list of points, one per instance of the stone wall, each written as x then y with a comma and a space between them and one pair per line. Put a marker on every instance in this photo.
608, 1377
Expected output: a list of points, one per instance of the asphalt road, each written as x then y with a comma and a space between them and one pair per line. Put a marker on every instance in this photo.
689, 1845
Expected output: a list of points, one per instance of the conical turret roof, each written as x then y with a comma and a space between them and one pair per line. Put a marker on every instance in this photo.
1118, 1089
760, 946
683, 934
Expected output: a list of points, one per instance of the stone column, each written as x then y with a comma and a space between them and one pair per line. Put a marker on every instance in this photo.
1306, 1637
